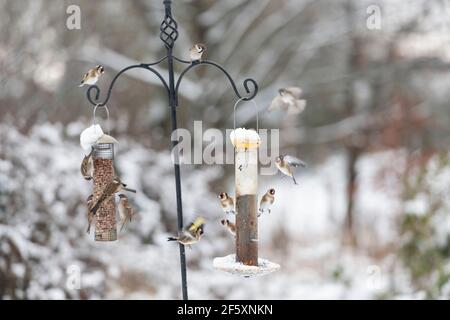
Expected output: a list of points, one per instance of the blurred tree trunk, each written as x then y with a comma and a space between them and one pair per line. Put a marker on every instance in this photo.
352, 150
353, 154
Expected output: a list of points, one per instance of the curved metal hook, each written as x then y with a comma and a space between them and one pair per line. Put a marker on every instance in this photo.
95, 90
252, 93
94, 120
257, 113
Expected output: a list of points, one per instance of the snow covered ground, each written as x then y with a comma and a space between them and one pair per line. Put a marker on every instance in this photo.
42, 227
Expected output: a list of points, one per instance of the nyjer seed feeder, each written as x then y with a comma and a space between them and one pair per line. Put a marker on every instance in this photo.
103, 157
245, 262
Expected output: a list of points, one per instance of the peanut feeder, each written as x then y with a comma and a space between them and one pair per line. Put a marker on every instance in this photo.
103, 155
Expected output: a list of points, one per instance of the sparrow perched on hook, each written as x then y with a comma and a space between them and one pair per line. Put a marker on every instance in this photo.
191, 234
126, 211
196, 52
90, 215
231, 227
227, 203
266, 202
87, 166
92, 76
286, 165
116, 185
288, 99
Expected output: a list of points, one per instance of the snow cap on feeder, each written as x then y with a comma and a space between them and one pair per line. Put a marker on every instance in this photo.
242, 138
89, 137
92, 136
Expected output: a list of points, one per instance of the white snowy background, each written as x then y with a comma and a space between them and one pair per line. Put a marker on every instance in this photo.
398, 123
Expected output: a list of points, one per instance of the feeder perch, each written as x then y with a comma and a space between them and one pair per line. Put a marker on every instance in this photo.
229, 264
105, 223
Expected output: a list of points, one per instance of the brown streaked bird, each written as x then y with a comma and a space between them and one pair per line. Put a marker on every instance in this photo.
191, 234
286, 165
196, 52
90, 215
116, 185
92, 76
126, 211
226, 203
288, 99
87, 167
266, 202
231, 227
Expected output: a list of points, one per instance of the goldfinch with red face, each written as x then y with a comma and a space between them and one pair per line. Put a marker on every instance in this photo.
92, 76
266, 202
286, 165
226, 203
191, 234
231, 227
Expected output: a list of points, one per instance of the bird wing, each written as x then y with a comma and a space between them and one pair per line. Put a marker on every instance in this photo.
186, 236
196, 224
295, 162
297, 108
276, 104
83, 167
92, 72
85, 76
295, 91
129, 209
108, 191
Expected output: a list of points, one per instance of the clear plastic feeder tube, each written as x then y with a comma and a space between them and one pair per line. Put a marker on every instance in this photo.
246, 143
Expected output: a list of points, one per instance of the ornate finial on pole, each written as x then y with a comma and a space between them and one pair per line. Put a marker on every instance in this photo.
169, 26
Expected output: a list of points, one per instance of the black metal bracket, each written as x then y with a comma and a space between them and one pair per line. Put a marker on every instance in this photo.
169, 35
93, 93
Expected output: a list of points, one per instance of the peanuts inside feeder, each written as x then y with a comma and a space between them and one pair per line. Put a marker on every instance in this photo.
103, 155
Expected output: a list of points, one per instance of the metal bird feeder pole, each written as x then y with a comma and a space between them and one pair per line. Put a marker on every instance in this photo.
168, 35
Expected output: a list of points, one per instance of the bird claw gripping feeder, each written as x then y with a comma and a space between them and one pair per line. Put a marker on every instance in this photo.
168, 35
103, 158
245, 262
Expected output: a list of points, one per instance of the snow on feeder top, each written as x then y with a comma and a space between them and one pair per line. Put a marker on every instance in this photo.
246, 143
242, 138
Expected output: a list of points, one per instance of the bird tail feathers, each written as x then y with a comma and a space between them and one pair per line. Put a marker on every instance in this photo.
95, 208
